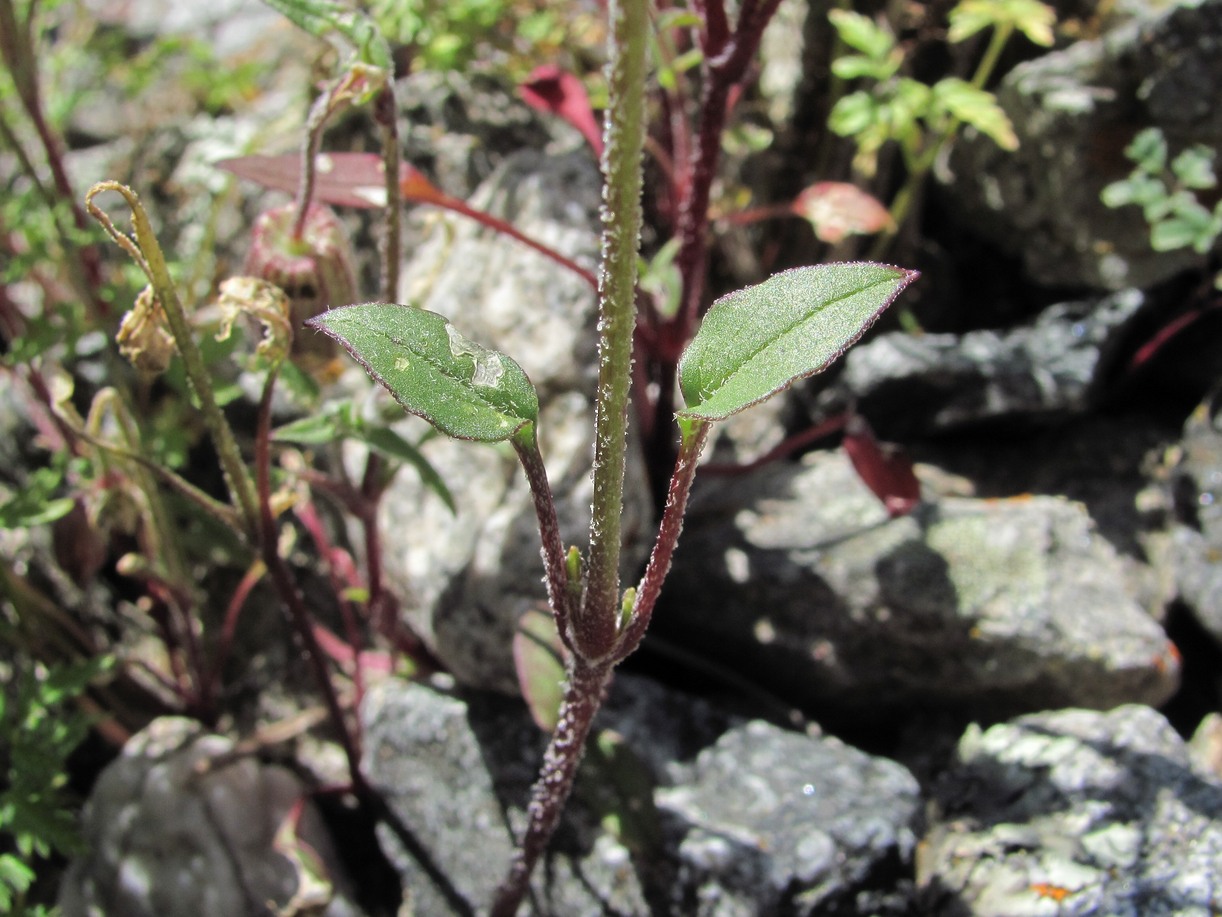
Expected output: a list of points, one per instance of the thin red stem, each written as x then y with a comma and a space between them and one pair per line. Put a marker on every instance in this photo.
558, 591
229, 626
290, 595
668, 538
308, 514
508, 229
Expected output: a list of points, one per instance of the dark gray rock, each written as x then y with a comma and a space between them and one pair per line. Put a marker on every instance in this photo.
1197, 494
795, 577
919, 384
1074, 812
467, 577
762, 822
178, 826
781, 823
456, 775
1075, 111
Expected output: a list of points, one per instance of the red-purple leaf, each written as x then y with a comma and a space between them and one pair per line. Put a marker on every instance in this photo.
1165, 334
838, 209
342, 652
561, 93
341, 179
887, 472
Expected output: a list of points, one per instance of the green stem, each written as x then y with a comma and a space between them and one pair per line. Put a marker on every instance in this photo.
384, 113
148, 255
905, 199
594, 626
988, 63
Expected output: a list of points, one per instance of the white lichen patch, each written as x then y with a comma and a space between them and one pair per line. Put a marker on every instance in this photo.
488, 366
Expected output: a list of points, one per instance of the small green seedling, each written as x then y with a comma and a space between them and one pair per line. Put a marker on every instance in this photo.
1166, 191
921, 119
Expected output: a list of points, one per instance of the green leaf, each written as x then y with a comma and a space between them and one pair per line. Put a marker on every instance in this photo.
853, 114
678, 18
756, 341
1033, 19
1149, 150
1194, 167
388, 442
856, 66
912, 100
461, 388
321, 18
862, 34
336, 422
1191, 226
33, 504
14, 874
1139, 188
976, 107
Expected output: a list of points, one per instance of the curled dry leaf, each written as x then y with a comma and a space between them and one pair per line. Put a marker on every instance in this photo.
266, 303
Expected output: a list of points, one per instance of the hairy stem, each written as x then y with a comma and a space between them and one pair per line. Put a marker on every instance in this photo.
594, 627
694, 433
527, 446
725, 64
583, 696
392, 245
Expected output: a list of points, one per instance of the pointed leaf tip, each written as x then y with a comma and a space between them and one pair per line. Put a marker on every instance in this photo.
463, 389
756, 341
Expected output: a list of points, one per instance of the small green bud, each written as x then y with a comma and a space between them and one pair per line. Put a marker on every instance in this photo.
572, 566
626, 607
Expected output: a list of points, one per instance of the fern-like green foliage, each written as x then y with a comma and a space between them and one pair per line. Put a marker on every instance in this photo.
915, 115
42, 727
1166, 189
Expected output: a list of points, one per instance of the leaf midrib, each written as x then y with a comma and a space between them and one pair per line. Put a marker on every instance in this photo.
721, 383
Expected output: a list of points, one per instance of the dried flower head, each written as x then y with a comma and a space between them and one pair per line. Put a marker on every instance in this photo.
144, 336
315, 269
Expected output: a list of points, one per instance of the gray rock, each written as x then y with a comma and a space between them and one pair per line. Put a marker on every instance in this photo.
1075, 111
1197, 492
762, 822
456, 774
796, 577
468, 577
178, 826
918, 384
1205, 747
458, 127
1074, 812
781, 51
782, 823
